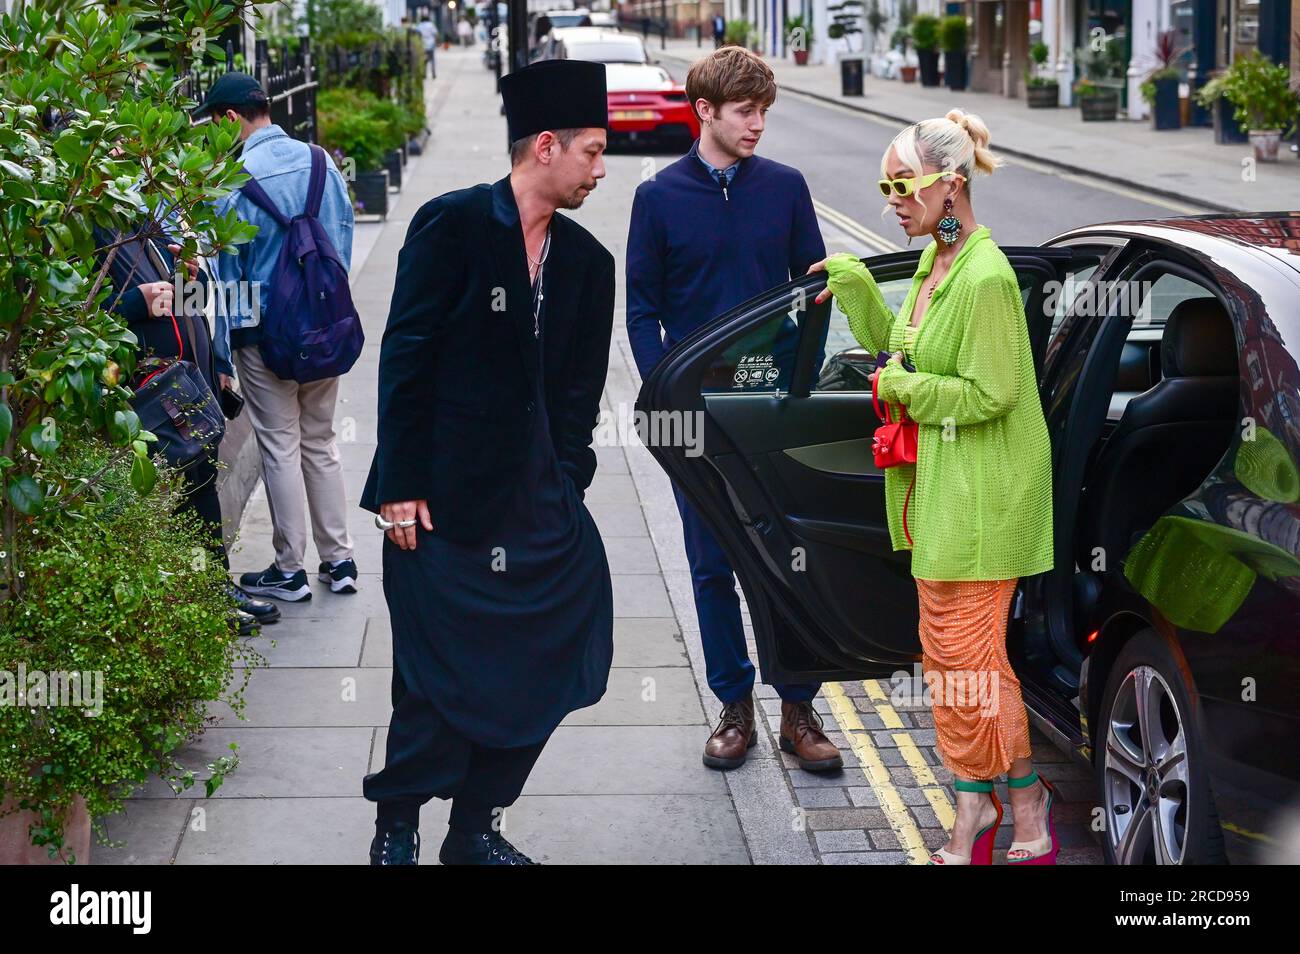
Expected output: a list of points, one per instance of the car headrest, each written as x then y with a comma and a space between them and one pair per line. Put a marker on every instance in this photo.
1198, 340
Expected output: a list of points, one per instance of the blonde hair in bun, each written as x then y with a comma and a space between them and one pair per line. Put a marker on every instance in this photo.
957, 142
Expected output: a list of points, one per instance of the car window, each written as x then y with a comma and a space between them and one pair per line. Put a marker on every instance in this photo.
763, 359
847, 364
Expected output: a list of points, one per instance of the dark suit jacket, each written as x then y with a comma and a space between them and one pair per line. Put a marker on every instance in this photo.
458, 363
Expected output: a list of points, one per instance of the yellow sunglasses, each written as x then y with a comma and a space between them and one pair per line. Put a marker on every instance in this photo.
906, 187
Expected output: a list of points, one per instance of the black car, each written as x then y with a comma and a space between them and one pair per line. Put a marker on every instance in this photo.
1164, 648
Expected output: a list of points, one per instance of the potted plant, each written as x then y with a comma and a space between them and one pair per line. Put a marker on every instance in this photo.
952, 38
1041, 92
1265, 104
925, 36
1210, 96
799, 37
356, 138
737, 33
108, 599
1098, 101
1160, 89
901, 40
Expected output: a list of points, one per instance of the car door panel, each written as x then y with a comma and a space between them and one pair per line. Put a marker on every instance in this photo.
786, 479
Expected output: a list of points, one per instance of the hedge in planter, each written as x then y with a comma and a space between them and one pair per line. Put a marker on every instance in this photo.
126, 592
952, 38
925, 35
1265, 104
123, 142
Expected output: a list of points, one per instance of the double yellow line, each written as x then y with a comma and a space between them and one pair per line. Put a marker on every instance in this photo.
874, 243
877, 773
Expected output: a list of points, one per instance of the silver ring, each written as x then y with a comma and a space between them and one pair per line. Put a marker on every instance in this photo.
383, 524
406, 523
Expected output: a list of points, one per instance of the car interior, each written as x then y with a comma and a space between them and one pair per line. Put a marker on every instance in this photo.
1170, 419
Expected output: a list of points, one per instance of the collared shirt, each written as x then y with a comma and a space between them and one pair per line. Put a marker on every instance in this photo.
721, 176
283, 168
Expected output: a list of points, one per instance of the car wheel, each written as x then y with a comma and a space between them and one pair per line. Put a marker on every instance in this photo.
1149, 761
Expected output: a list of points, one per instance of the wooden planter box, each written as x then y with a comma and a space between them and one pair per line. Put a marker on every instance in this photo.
371, 189
1099, 108
1043, 96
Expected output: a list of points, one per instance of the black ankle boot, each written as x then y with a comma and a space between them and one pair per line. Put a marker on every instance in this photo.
480, 848
396, 845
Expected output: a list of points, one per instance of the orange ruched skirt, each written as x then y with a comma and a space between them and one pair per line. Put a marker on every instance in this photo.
979, 717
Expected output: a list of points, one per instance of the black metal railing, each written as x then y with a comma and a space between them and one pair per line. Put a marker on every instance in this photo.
288, 77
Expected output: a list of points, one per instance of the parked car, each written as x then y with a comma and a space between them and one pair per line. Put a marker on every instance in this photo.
647, 105
1163, 650
592, 43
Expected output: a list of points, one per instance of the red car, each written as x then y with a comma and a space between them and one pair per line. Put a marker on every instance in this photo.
646, 104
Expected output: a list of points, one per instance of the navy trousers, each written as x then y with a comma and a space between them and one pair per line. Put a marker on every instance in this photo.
717, 605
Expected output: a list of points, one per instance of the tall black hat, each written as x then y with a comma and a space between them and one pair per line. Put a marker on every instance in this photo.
555, 94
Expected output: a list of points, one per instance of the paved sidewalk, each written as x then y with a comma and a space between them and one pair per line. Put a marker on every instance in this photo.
620, 782
1182, 164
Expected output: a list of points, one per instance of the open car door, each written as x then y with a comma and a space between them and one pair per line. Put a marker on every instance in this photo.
781, 468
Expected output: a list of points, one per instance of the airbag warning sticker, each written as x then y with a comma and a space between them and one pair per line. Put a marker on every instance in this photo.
755, 371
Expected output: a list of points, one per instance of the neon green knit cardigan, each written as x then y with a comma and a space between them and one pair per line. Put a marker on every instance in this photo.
981, 508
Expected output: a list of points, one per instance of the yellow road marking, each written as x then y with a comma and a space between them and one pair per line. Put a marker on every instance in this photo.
935, 793
877, 775
855, 228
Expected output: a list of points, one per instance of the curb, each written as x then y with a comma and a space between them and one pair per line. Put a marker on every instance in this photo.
1018, 153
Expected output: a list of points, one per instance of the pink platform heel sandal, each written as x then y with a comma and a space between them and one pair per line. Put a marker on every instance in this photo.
981, 852
1041, 851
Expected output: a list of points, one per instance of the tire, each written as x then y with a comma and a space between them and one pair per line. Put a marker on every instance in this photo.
1159, 760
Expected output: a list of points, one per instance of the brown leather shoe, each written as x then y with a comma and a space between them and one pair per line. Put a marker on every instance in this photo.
802, 737
734, 736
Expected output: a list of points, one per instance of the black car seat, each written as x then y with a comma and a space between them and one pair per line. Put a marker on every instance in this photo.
1169, 437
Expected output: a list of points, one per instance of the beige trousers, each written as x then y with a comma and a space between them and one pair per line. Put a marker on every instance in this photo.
294, 426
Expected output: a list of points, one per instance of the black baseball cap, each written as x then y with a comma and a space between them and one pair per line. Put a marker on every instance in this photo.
231, 91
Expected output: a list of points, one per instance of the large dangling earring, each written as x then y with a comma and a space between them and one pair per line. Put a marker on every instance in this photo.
949, 225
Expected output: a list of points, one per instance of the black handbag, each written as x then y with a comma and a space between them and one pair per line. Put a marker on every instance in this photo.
174, 402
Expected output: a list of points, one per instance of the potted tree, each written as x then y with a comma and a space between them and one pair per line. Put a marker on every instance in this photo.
1160, 89
737, 33
952, 38
925, 35
799, 37
1210, 96
1041, 92
1265, 104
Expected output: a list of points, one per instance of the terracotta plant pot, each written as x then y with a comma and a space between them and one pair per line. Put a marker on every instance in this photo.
801, 57
16, 847
908, 73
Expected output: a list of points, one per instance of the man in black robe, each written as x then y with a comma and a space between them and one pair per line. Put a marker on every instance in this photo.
490, 376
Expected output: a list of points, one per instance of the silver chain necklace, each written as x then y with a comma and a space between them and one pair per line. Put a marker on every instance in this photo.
538, 295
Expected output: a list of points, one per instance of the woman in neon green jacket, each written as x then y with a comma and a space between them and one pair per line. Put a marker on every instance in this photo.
978, 500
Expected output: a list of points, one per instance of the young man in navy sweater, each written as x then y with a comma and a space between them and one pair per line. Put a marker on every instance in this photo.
713, 229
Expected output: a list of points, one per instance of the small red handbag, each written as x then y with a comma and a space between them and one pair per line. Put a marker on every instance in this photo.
894, 443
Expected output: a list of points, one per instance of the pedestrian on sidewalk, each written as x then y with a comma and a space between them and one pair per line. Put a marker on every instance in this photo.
490, 377
715, 228
981, 486
429, 34
293, 422
719, 30
465, 32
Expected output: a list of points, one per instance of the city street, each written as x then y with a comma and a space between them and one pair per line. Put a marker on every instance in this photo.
622, 781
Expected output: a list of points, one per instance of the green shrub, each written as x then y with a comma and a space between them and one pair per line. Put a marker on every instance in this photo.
925, 32
1261, 92
127, 590
952, 33
349, 127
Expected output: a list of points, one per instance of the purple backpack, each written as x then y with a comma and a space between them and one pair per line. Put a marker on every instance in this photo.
311, 329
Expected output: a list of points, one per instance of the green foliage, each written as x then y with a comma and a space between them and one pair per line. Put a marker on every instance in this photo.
1261, 93
349, 128
126, 590
123, 156
1148, 86
799, 27
1039, 52
737, 32
925, 31
347, 23
952, 33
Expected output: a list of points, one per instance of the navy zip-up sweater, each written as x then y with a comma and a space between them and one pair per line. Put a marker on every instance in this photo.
694, 253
